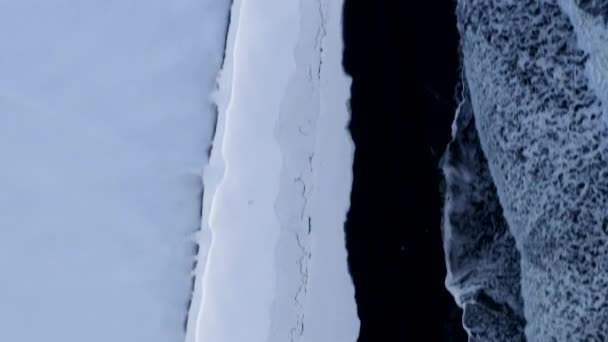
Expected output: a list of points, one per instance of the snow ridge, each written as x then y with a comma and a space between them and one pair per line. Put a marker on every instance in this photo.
238, 283
278, 183
212, 173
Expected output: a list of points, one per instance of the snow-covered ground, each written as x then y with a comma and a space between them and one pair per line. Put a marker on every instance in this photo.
105, 124
278, 183
537, 71
483, 264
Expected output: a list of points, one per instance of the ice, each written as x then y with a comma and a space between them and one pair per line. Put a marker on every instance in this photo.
278, 182
105, 124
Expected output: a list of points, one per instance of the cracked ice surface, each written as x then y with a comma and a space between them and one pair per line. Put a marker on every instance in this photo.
104, 130
536, 71
281, 170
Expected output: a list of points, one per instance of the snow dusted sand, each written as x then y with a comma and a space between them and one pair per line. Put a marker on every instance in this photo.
482, 261
590, 24
537, 74
105, 125
278, 181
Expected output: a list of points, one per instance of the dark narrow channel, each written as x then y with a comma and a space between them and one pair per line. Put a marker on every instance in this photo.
402, 57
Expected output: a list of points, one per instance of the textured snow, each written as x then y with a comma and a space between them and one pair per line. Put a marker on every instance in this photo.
535, 70
104, 130
278, 182
590, 20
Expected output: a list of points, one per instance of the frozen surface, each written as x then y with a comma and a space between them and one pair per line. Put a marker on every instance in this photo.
535, 70
315, 297
278, 181
105, 125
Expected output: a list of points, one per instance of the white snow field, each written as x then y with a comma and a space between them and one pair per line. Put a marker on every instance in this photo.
105, 126
278, 182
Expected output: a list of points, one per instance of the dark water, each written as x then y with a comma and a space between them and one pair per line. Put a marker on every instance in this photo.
402, 56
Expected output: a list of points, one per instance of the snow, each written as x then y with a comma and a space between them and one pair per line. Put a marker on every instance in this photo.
331, 313
106, 124
482, 261
278, 181
534, 72
592, 37
104, 130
